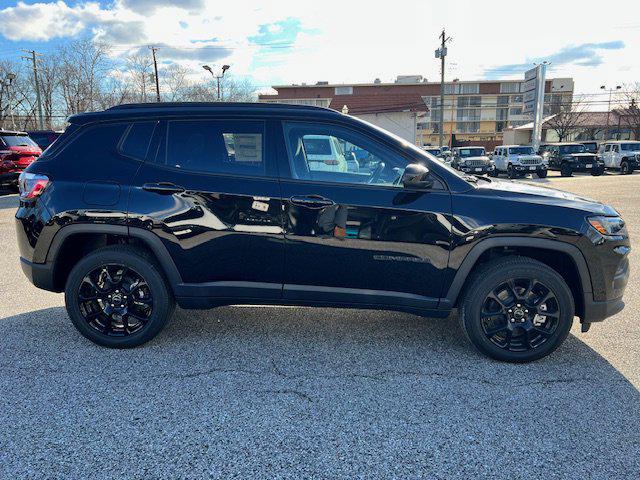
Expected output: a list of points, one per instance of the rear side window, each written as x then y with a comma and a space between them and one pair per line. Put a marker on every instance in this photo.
136, 141
17, 141
94, 143
215, 146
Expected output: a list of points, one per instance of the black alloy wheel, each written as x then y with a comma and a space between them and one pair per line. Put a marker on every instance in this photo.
115, 300
117, 296
520, 314
516, 309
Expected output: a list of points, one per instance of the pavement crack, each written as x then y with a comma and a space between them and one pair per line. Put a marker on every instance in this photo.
289, 391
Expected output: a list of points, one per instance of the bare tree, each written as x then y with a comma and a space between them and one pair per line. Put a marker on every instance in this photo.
83, 65
568, 120
238, 90
174, 79
49, 77
139, 69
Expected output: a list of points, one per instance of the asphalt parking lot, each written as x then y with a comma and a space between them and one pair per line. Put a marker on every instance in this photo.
256, 392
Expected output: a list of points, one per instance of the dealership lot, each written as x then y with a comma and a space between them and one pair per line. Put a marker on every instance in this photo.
288, 392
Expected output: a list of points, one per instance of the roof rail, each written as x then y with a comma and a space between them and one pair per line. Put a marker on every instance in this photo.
160, 105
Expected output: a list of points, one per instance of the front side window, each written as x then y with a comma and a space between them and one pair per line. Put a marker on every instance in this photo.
332, 153
215, 146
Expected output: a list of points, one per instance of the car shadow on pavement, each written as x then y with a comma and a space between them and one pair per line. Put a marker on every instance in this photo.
249, 391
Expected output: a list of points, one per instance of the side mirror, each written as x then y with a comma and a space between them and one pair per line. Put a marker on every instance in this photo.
416, 176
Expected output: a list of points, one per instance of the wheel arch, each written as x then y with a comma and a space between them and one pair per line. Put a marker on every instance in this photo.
72, 242
567, 261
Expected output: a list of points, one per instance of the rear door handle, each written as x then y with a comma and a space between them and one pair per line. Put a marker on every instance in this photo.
164, 188
311, 201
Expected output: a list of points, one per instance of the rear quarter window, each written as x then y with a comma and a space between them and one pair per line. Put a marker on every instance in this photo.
93, 143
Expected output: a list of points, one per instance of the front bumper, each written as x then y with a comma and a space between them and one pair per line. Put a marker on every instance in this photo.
478, 170
530, 168
584, 167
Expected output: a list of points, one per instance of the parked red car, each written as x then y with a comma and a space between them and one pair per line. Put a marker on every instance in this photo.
17, 151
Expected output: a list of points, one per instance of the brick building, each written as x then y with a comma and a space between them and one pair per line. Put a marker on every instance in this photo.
474, 111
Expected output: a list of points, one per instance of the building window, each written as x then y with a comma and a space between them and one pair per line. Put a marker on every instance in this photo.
344, 90
467, 114
466, 88
464, 102
502, 113
503, 100
516, 99
515, 111
511, 87
500, 126
467, 127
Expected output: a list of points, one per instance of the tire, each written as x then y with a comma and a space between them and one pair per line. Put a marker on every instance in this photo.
566, 170
597, 172
542, 174
624, 168
538, 341
153, 307
494, 173
511, 173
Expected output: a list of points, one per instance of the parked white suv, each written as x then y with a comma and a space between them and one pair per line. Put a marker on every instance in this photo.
517, 161
621, 155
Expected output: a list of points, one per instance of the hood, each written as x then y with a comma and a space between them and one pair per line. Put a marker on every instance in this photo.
525, 192
484, 158
529, 157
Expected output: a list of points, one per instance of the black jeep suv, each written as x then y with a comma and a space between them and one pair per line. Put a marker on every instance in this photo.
571, 157
139, 207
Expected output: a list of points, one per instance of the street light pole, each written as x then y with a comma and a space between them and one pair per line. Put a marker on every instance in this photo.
217, 77
604, 87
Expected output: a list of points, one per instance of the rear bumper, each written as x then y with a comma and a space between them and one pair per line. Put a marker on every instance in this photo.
40, 274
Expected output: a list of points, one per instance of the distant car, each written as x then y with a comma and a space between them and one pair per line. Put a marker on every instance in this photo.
621, 155
591, 146
571, 157
435, 151
324, 154
44, 138
472, 160
518, 160
17, 151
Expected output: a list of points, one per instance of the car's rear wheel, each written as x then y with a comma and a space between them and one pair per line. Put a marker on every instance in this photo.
117, 297
566, 170
516, 309
624, 168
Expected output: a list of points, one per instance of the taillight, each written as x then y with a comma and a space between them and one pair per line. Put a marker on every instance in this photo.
32, 185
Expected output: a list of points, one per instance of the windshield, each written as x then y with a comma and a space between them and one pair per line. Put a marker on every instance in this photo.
521, 151
568, 149
471, 152
18, 141
630, 147
317, 146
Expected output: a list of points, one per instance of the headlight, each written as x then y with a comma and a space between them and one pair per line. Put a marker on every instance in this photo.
608, 226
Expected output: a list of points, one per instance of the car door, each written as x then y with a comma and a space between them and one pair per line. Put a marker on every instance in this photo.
209, 191
616, 158
360, 237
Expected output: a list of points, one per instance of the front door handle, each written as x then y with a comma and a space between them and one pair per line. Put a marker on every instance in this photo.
164, 188
311, 201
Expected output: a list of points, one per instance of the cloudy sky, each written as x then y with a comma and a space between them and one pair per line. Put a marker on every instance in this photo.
294, 41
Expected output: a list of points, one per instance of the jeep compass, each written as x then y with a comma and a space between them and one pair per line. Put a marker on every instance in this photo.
141, 207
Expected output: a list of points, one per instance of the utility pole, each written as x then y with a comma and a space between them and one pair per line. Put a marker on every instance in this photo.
37, 84
155, 67
611, 90
441, 53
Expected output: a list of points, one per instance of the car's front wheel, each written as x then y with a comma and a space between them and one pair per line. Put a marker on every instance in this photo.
117, 297
511, 172
516, 309
566, 170
542, 174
